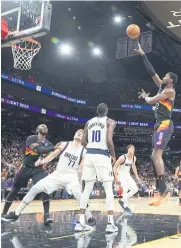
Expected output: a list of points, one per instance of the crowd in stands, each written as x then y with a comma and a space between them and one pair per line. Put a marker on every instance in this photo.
13, 147
116, 90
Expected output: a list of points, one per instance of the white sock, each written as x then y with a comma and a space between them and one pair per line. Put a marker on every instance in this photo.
88, 213
20, 208
125, 204
110, 219
82, 219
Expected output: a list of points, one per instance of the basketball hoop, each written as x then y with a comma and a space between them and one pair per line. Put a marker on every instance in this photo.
24, 52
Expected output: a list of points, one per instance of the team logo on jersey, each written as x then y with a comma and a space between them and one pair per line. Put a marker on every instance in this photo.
71, 156
128, 164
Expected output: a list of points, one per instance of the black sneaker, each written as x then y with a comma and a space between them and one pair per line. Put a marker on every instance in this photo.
47, 219
128, 211
92, 221
10, 217
121, 203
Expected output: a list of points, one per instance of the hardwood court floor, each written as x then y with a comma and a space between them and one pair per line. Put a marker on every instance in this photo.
148, 226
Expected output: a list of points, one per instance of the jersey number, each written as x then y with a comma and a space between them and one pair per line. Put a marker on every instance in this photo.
96, 136
71, 163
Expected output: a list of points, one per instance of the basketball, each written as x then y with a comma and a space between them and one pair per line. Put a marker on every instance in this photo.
133, 31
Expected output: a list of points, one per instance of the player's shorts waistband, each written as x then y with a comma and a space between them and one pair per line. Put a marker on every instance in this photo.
98, 151
163, 124
158, 122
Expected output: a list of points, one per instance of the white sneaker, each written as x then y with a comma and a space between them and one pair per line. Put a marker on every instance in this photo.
82, 227
111, 228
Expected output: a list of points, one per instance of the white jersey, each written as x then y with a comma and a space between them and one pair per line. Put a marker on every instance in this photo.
97, 133
124, 169
70, 159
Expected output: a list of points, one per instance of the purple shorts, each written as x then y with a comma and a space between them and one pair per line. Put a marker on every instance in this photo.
162, 134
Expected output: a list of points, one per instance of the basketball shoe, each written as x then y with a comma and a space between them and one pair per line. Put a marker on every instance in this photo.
161, 197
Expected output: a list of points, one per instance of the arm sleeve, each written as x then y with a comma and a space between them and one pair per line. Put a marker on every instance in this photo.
41, 149
148, 66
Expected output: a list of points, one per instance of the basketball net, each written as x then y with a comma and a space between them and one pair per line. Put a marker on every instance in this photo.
24, 52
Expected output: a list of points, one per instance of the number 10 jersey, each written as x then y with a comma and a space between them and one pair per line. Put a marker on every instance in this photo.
97, 133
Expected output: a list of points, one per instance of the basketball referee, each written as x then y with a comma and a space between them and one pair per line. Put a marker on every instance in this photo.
36, 146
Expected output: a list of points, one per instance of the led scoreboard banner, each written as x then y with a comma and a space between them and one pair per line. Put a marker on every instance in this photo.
36, 87
73, 118
143, 107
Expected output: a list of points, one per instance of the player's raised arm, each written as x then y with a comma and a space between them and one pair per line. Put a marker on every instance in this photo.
120, 161
110, 130
149, 66
84, 140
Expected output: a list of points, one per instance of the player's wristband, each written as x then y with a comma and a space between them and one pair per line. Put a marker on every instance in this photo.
43, 162
148, 99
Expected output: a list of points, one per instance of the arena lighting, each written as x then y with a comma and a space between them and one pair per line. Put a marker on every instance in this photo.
96, 51
66, 49
117, 19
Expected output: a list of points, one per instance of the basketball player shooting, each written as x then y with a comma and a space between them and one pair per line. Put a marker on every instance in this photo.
178, 176
123, 177
98, 140
65, 175
36, 146
164, 127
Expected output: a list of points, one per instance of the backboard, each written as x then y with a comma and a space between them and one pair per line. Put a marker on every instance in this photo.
26, 20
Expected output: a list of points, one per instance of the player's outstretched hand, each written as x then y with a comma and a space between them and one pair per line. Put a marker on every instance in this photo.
139, 50
143, 94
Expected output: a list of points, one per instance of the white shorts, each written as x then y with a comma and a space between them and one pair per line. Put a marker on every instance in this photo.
58, 180
127, 183
97, 165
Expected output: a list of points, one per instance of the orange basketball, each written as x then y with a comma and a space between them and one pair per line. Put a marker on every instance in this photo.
133, 31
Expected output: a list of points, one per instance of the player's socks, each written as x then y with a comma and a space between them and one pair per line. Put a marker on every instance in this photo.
110, 219
46, 206
82, 219
162, 184
157, 184
20, 208
7, 205
88, 214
